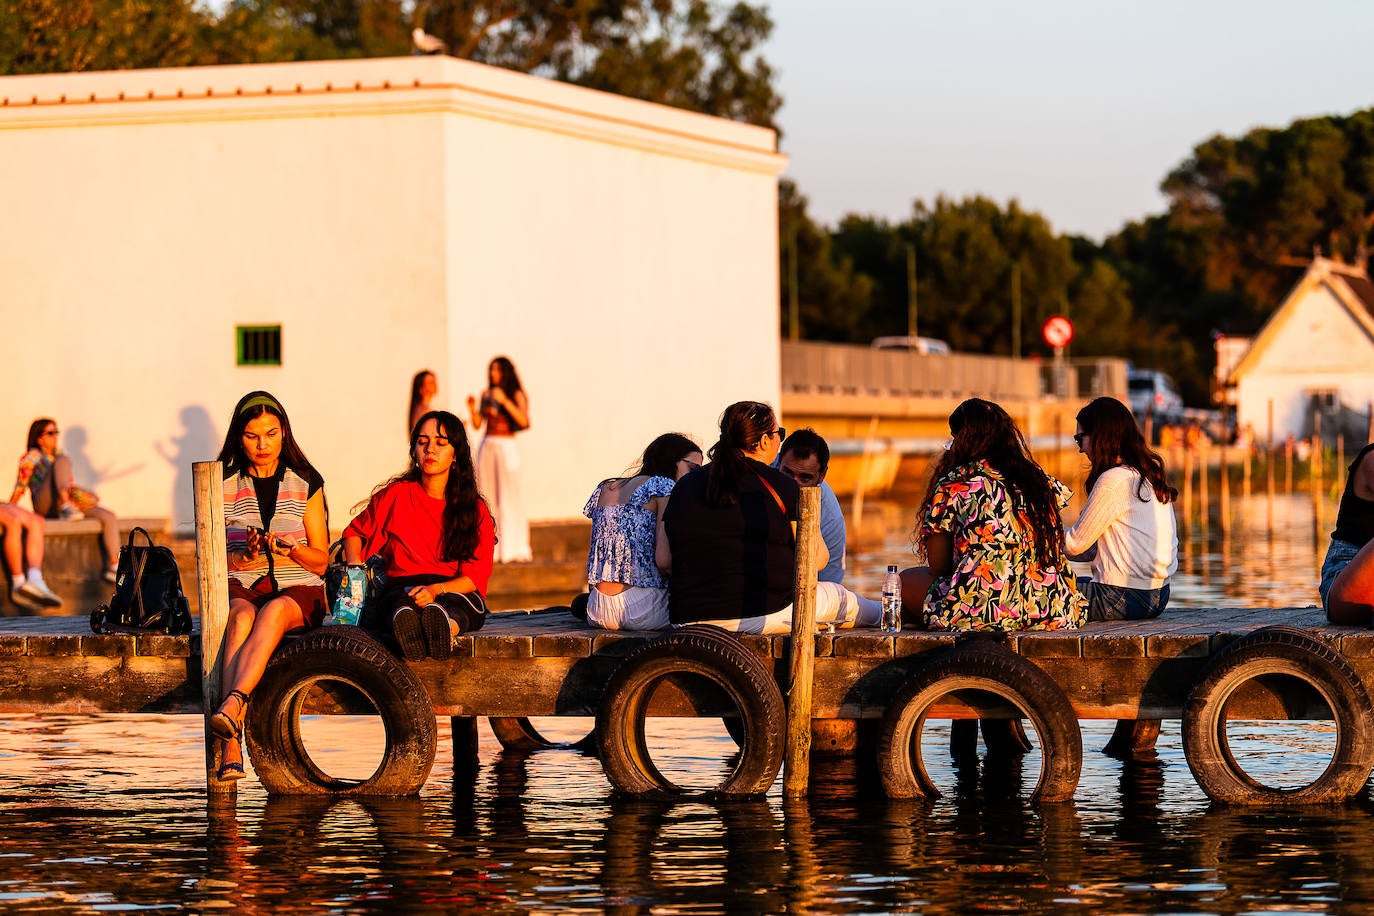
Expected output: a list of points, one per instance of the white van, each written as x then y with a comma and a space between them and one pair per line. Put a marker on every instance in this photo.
924, 345
1152, 390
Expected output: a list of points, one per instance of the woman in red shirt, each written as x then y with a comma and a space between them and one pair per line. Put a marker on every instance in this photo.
435, 532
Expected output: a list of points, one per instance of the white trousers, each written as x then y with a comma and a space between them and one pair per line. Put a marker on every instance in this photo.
635, 608
498, 477
835, 605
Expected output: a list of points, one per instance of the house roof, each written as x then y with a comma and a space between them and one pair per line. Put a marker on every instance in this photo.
1350, 285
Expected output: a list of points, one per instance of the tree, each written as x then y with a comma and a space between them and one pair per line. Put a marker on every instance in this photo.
50, 36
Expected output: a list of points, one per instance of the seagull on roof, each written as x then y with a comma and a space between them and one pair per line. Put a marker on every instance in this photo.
425, 43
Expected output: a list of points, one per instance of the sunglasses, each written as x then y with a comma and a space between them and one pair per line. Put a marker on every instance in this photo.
780, 432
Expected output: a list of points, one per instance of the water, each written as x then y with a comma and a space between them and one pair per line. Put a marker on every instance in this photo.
109, 814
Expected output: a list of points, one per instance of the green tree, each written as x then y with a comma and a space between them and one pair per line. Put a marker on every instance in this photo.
833, 300
53, 36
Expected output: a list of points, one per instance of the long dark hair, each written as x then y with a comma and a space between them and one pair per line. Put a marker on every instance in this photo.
458, 541
251, 406
983, 430
416, 396
742, 426
662, 455
1115, 439
510, 380
36, 431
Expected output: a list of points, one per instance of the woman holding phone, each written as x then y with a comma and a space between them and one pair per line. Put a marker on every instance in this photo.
504, 410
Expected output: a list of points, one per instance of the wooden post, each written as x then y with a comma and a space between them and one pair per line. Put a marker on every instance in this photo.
1288, 465
1269, 468
465, 756
1225, 484
1245, 470
1187, 485
1204, 505
1340, 463
212, 583
796, 773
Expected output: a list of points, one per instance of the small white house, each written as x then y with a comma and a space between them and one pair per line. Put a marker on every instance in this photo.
1314, 356
175, 238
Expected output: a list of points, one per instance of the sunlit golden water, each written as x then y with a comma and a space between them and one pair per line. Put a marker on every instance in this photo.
109, 814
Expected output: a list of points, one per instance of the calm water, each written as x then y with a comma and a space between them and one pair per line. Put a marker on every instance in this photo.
109, 814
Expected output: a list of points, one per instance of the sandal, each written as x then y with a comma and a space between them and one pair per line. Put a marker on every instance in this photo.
409, 633
437, 632
230, 770
222, 725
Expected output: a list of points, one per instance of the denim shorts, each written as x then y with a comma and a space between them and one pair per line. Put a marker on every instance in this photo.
1338, 557
1116, 602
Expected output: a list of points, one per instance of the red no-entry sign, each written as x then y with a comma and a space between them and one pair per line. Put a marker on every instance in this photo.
1057, 331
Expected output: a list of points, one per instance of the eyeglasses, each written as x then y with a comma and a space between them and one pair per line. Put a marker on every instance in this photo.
50, 432
1079, 437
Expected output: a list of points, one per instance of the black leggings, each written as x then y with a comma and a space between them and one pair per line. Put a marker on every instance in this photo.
467, 608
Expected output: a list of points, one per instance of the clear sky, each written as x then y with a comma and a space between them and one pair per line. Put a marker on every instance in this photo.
1077, 109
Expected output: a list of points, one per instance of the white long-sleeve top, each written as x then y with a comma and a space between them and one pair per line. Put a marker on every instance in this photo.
1137, 539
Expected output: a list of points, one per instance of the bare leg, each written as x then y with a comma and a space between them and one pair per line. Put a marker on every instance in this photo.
33, 538
109, 531
1351, 599
62, 479
14, 544
915, 583
245, 667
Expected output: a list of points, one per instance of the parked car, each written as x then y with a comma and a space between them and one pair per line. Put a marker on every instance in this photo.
1152, 390
912, 344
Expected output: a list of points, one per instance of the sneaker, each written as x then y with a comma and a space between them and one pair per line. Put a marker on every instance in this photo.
69, 513
39, 592
409, 633
438, 635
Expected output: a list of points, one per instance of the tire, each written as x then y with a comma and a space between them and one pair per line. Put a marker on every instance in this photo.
519, 736
1297, 654
349, 656
715, 655
1000, 672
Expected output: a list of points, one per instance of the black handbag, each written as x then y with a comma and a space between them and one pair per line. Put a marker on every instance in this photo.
147, 596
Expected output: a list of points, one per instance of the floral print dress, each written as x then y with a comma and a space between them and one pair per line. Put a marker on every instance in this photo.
996, 582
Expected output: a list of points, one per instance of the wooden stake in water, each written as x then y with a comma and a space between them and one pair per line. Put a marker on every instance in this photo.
212, 582
796, 773
1187, 485
1204, 507
1288, 465
1225, 484
1245, 471
1269, 468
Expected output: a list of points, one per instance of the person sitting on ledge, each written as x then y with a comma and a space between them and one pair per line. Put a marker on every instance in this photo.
990, 529
45, 471
805, 457
434, 530
23, 548
731, 538
627, 591
1347, 577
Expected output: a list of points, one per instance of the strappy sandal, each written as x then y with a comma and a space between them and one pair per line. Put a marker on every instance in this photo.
230, 769
225, 727
437, 633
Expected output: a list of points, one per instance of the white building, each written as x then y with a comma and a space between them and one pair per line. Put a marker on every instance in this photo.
375, 217
1315, 355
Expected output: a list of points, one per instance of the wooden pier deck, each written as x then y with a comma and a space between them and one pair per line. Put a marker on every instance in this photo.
546, 662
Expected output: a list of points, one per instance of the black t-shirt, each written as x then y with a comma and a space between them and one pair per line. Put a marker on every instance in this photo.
735, 561
1355, 517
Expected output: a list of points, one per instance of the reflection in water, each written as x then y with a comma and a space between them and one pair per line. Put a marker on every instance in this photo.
110, 812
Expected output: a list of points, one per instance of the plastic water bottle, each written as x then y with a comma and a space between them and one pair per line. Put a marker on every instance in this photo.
892, 601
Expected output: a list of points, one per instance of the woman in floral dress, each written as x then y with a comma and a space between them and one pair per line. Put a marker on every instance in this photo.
990, 531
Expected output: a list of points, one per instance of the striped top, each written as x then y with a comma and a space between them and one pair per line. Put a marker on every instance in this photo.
241, 512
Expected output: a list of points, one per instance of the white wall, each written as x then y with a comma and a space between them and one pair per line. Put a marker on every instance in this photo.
391, 215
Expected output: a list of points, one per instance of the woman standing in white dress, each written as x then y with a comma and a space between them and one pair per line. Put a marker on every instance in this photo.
504, 410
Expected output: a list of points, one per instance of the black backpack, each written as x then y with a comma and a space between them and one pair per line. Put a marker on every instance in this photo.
147, 596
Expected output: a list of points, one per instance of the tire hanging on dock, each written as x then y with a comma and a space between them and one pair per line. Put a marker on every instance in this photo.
718, 657
333, 657
1295, 653
518, 735
987, 668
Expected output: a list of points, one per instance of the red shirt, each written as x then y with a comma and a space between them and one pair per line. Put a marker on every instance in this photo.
405, 526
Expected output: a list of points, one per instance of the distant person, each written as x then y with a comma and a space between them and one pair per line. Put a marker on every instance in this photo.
23, 550
1347, 578
432, 527
277, 531
626, 589
504, 410
45, 471
990, 530
805, 457
1128, 523
731, 537
423, 387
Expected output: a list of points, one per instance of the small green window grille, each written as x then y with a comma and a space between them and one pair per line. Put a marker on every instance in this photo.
259, 344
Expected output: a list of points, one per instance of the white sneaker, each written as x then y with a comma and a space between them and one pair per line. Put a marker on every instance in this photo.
22, 600
39, 592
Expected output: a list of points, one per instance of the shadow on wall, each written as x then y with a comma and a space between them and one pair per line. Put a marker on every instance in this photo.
197, 442
74, 442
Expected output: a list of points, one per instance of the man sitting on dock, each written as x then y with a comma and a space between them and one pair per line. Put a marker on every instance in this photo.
805, 457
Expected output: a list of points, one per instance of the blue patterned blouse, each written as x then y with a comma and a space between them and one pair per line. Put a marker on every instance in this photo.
623, 538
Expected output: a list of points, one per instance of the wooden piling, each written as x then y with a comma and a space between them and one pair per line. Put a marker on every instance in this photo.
1204, 506
212, 583
1187, 485
1269, 469
1225, 485
796, 773
1288, 465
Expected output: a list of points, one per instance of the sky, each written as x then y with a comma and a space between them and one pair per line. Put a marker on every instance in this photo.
1076, 109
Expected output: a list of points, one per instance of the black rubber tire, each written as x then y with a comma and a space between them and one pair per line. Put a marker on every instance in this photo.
715, 655
519, 736
997, 671
350, 656
1298, 654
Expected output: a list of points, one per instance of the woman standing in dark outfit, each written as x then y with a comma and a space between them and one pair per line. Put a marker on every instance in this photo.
278, 541
434, 531
1347, 582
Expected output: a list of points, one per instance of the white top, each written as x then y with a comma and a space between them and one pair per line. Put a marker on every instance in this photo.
1135, 534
